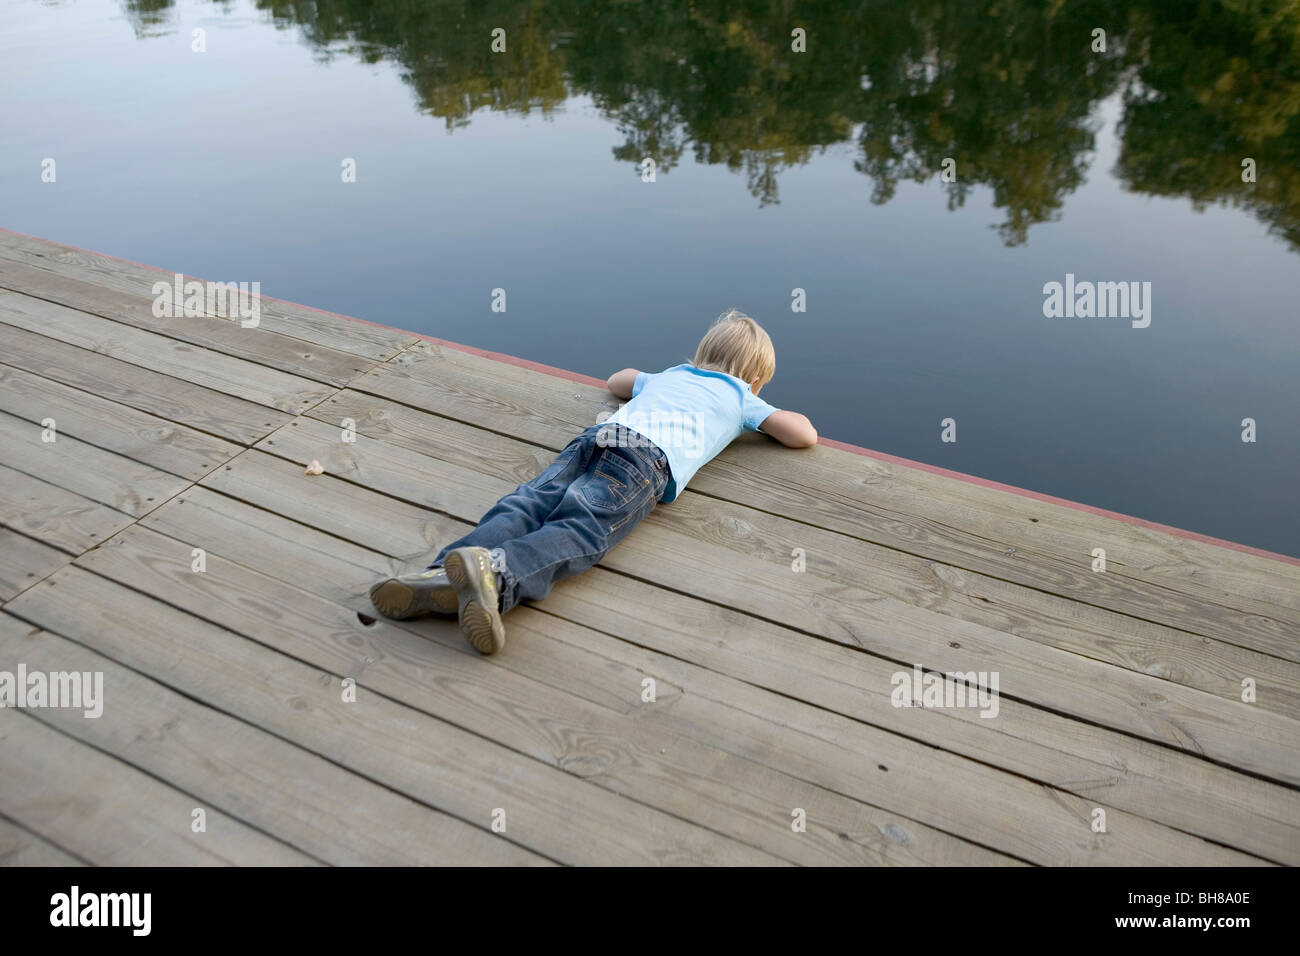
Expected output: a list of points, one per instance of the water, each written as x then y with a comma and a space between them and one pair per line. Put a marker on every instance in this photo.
819, 171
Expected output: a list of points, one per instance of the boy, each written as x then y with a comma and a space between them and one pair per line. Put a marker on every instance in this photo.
602, 484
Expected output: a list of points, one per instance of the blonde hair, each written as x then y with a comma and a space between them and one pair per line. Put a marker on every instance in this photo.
737, 345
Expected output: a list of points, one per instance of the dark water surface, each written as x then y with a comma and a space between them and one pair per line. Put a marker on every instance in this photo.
776, 170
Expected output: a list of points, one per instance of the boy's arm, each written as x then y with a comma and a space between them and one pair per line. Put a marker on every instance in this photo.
621, 383
789, 428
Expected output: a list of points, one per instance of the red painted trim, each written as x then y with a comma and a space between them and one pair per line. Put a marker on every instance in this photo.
830, 442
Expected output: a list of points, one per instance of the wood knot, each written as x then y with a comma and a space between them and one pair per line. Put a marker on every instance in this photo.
582, 765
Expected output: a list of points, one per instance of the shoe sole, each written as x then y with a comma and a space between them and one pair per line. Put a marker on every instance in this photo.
481, 627
399, 601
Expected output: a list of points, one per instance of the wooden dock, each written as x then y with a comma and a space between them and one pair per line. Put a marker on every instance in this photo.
1120, 737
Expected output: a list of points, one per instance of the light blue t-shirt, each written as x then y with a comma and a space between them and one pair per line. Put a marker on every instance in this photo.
692, 414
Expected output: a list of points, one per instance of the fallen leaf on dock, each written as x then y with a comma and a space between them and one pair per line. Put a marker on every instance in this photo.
315, 468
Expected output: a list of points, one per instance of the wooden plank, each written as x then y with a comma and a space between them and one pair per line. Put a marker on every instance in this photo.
24, 561
845, 611
287, 318
1063, 535
623, 748
1093, 762
282, 487
220, 334
548, 810
485, 452
114, 480
53, 516
1068, 625
162, 395
405, 474
147, 438
224, 373
415, 378
1181, 791
112, 814
263, 540
1152, 575
106, 811
21, 847
299, 797
809, 743
734, 554
614, 749
1200, 588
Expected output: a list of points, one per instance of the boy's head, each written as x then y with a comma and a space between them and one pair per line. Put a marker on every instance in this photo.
737, 345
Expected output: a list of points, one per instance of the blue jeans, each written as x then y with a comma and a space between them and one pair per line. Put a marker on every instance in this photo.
568, 517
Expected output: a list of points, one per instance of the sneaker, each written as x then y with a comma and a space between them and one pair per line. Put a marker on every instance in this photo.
413, 595
470, 572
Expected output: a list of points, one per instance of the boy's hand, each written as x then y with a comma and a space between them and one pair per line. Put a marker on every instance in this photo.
790, 428
620, 383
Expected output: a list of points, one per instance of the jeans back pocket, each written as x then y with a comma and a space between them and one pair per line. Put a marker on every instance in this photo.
614, 484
